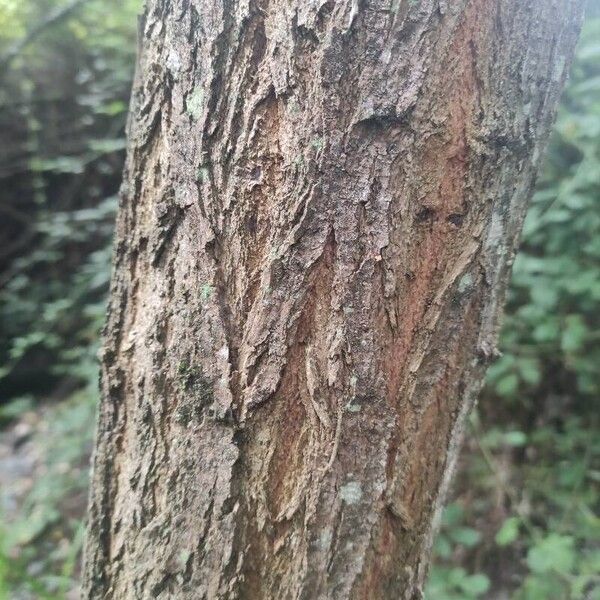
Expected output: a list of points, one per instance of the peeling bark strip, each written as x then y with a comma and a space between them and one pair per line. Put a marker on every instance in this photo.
320, 209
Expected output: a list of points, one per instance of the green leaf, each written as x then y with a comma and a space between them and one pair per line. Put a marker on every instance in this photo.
107, 146
16, 407
475, 585
546, 331
453, 514
515, 438
530, 371
541, 588
509, 531
574, 334
465, 536
442, 547
508, 385
553, 553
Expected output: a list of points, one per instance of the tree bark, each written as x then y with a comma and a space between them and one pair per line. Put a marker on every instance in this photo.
320, 209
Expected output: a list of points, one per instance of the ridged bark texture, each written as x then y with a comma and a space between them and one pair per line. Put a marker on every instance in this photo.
320, 209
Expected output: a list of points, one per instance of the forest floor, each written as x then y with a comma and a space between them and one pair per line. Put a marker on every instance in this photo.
43, 495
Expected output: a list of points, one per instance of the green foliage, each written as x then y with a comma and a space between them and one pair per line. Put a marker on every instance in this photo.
456, 584
549, 533
509, 532
451, 582
66, 96
550, 338
63, 105
530, 484
57, 318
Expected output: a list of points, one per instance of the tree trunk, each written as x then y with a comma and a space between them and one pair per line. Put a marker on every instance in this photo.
321, 205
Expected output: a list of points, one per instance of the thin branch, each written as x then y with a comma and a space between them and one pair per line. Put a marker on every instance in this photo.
52, 19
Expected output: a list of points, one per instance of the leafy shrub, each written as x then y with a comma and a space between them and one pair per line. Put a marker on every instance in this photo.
63, 105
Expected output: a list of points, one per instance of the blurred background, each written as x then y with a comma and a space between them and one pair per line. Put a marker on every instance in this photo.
523, 520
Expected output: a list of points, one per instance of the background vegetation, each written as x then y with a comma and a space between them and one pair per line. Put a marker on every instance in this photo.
523, 522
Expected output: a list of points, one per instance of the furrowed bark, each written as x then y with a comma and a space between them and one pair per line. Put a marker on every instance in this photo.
321, 205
